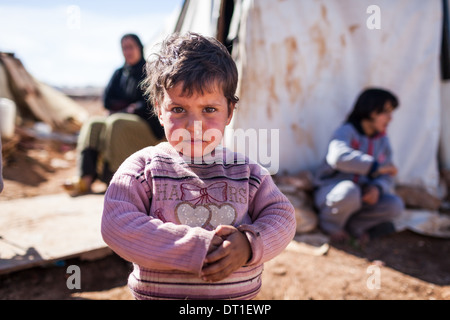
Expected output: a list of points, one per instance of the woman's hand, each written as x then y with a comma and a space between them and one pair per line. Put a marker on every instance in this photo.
131, 108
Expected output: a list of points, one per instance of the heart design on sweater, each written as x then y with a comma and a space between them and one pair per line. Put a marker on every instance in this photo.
206, 216
225, 214
192, 216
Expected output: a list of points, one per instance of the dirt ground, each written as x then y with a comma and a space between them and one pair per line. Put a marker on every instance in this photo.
403, 266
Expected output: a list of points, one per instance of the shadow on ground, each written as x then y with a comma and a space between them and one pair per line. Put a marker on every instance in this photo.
50, 282
422, 257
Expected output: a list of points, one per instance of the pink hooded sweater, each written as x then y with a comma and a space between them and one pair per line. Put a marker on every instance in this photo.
160, 213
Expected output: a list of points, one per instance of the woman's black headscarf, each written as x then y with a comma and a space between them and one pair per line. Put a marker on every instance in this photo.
137, 40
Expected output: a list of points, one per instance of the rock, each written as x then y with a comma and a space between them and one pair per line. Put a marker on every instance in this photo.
417, 197
305, 215
297, 189
302, 181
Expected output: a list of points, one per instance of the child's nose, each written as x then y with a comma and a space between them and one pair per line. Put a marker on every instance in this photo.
195, 127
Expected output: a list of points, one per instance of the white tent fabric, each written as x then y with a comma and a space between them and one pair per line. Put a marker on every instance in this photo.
199, 16
444, 147
303, 63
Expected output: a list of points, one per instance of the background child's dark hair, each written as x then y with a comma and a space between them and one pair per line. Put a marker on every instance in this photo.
200, 62
370, 100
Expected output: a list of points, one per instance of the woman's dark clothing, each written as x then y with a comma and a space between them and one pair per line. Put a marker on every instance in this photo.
105, 142
124, 89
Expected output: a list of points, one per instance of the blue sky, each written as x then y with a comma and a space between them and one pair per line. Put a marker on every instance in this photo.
77, 43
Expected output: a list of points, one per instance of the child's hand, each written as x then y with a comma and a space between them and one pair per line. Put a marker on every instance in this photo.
389, 169
231, 254
215, 243
371, 194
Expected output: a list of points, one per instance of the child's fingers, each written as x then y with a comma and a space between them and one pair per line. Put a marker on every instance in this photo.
227, 258
370, 198
217, 254
217, 271
388, 169
215, 243
225, 230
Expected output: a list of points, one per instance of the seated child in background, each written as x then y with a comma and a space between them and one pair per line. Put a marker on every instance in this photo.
355, 182
194, 229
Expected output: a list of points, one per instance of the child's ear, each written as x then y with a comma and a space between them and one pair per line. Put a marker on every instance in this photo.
158, 107
231, 107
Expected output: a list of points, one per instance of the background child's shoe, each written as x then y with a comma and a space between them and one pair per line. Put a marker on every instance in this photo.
381, 230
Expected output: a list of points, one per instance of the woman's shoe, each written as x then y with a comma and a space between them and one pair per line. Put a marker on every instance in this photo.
76, 187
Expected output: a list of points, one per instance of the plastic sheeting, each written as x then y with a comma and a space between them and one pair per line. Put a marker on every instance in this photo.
303, 63
426, 222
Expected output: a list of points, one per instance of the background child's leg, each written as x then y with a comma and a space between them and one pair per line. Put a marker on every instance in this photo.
387, 209
336, 203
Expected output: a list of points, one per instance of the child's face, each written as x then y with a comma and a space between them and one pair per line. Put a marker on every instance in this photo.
380, 121
194, 125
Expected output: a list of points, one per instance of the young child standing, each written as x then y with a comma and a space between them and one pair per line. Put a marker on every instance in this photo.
194, 228
355, 181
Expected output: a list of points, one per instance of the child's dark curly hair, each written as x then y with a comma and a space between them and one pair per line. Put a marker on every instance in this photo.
200, 63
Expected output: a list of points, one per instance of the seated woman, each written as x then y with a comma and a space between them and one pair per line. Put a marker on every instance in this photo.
355, 181
105, 142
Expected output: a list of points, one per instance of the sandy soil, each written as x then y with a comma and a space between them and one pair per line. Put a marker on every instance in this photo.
402, 266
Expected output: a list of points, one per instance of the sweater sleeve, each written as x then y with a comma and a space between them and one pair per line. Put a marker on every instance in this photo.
112, 100
343, 157
142, 239
273, 222
385, 182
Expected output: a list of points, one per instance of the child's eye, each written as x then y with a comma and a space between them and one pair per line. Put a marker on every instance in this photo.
177, 110
209, 109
